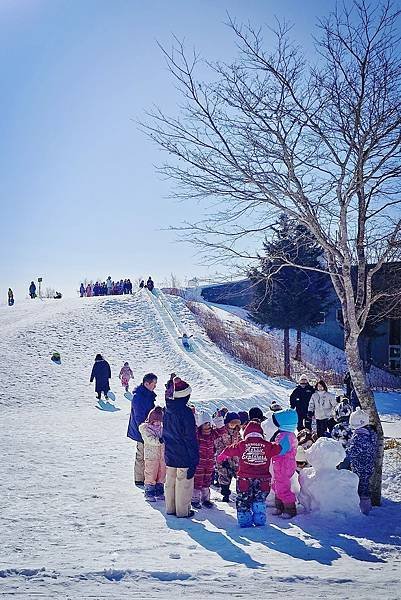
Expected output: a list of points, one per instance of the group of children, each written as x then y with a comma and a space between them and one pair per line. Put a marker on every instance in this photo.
260, 452
112, 288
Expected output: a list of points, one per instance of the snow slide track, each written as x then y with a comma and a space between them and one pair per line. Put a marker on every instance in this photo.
171, 320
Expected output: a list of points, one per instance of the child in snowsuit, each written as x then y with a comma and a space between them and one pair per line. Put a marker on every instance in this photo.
362, 451
284, 465
341, 431
204, 471
151, 431
227, 469
253, 483
125, 375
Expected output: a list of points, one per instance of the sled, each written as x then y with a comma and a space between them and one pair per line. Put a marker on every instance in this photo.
111, 396
128, 396
106, 406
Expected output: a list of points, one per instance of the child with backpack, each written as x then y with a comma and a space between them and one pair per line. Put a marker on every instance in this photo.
155, 467
125, 375
253, 483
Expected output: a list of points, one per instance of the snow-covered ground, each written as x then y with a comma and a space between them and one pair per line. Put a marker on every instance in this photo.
72, 525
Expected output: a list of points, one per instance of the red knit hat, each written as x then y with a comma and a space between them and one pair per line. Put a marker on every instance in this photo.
253, 427
156, 414
181, 388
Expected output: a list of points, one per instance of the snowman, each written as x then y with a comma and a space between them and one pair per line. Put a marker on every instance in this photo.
325, 488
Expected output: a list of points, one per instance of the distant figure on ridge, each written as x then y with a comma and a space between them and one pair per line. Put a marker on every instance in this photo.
150, 285
10, 297
32, 290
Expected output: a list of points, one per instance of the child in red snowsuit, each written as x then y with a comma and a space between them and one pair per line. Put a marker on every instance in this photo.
204, 471
253, 483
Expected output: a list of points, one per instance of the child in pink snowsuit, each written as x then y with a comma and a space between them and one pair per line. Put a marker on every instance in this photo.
125, 375
284, 465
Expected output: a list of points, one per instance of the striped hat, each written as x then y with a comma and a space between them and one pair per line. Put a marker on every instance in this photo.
181, 388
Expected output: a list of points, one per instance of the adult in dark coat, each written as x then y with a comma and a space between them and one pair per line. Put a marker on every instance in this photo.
150, 285
101, 372
32, 290
181, 450
143, 401
299, 400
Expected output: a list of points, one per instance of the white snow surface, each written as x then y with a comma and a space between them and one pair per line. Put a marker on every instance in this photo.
72, 525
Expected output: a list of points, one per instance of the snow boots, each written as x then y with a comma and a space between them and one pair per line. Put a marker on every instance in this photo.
225, 492
196, 499
259, 513
279, 507
159, 491
290, 510
365, 505
150, 492
205, 496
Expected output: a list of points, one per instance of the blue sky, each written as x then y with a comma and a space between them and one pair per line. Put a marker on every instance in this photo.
80, 196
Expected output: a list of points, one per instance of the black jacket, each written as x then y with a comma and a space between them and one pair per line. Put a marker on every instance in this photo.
300, 397
181, 448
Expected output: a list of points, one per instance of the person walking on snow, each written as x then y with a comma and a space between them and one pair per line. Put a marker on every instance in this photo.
155, 466
125, 375
32, 290
101, 372
82, 290
299, 399
204, 471
322, 404
181, 451
143, 401
284, 464
10, 297
253, 483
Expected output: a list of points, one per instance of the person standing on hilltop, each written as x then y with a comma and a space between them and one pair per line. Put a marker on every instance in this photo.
150, 284
10, 297
32, 290
101, 372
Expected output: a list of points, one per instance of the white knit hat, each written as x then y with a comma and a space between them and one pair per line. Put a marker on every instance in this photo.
202, 417
359, 418
303, 376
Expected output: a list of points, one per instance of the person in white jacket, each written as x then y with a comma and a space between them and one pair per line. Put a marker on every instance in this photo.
322, 405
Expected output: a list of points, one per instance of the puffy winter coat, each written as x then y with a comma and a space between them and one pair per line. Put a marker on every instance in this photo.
126, 374
101, 372
151, 435
300, 398
207, 448
181, 449
362, 450
142, 403
322, 404
254, 454
229, 470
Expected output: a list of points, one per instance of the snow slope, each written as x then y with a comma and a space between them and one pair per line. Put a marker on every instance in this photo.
71, 523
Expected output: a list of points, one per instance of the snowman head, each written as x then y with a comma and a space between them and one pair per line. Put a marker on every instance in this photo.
325, 454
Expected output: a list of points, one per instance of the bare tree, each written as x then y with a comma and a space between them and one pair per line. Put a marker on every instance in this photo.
272, 133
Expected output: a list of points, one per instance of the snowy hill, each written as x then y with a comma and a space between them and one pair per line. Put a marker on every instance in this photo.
72, 524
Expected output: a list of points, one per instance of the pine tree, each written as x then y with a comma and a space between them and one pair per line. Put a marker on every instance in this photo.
288, 297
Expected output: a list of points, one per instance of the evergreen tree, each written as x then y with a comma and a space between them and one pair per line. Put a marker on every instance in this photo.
288, 297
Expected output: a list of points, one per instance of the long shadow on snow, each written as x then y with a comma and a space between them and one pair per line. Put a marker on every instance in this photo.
214, 541
326, 536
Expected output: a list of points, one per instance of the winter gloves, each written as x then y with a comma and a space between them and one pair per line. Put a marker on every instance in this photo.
191, 472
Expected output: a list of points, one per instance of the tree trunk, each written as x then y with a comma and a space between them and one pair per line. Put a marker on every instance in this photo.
298, 347
365, 397
287, 365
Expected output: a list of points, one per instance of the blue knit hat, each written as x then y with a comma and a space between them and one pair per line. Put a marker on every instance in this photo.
231, 416
286, 420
